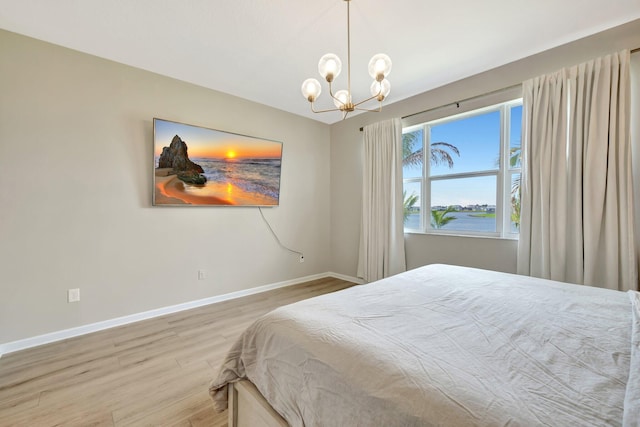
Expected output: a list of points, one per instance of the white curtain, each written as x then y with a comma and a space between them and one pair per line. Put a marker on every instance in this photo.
576, 185
382, 230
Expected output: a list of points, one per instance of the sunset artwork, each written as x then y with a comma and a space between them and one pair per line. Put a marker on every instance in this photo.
196, 166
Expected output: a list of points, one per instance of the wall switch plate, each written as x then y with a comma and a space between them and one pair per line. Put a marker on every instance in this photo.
73, 295
202, 274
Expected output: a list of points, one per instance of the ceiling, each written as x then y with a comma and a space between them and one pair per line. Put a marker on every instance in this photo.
262, 50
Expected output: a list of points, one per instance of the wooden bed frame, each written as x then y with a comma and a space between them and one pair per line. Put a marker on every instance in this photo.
248, 408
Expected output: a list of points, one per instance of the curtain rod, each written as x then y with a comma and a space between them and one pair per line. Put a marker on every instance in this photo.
457, 103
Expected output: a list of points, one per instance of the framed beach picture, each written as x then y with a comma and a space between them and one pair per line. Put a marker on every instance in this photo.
197, 166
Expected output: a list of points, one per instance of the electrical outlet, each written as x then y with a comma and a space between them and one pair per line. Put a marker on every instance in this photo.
202, 274
73, 295
301, 258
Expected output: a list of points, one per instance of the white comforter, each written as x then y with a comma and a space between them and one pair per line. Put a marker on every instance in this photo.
447, 346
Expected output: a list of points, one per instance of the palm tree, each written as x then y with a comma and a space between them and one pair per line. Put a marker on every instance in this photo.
439, 218
514, 161
515, 209
514, 156
409, 203
439, 152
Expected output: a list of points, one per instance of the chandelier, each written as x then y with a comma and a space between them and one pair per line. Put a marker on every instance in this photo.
330, 66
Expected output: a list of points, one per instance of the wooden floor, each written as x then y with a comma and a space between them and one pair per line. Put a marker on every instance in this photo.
154, 372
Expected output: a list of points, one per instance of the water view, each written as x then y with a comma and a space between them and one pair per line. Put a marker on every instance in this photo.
464, 221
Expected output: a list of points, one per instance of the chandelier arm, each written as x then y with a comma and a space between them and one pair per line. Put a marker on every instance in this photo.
323, 111
334, 97
377, 110
368, 99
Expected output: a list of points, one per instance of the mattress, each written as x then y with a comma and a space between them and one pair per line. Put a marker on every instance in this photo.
447, 346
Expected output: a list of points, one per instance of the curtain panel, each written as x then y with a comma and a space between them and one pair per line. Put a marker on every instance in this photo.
576, 190
382, 230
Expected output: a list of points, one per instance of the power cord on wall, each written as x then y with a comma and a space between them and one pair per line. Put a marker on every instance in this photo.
277, 239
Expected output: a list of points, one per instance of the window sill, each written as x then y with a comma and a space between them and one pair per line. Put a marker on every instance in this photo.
453, 234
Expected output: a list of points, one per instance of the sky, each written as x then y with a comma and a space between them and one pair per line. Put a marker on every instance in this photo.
478, 141
203, 142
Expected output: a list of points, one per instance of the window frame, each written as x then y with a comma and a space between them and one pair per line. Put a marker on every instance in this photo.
503, 173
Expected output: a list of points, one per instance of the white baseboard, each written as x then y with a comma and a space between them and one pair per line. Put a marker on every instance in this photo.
23, 344
345, 277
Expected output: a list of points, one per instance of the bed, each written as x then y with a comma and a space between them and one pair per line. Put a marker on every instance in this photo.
441, 346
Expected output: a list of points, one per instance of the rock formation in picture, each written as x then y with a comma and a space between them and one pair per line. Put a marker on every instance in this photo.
175, 157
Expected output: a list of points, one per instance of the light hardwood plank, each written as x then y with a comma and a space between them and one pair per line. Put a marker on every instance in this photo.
154, 372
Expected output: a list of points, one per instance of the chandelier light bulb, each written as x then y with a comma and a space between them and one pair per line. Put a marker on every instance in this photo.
311, 89
380, 89
329, 67
342, 98
379, 66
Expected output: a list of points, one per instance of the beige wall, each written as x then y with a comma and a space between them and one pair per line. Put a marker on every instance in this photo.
346, 155
75, 188
75, 194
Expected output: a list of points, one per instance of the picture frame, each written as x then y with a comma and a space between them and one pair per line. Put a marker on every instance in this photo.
199, 166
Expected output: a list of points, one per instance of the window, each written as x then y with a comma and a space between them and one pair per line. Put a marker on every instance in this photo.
467, 180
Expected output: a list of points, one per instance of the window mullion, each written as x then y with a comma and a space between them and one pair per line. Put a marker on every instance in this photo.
490, 172
426, 179
501, 204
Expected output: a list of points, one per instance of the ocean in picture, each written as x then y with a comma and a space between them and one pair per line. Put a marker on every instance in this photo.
260, 176
229, 181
